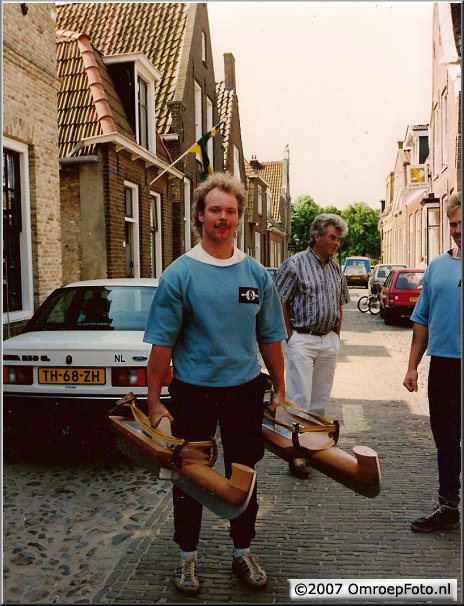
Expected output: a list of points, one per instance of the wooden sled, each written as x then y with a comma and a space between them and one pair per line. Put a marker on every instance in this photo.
294, 433
186, 464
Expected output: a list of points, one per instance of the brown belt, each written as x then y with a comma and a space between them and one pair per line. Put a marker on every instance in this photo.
310, 331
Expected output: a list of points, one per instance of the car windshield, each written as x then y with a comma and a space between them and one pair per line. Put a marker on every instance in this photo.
385, 270
95, 308
410, 280
353, 270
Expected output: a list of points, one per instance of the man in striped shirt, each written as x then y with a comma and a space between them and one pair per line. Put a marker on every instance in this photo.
312, 290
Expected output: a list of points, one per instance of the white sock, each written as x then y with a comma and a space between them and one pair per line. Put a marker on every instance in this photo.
186, 555
239, 552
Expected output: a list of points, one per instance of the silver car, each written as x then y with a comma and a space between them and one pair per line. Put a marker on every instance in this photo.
379, 274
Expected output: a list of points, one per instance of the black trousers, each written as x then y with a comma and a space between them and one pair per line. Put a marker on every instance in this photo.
444, 388
197, 411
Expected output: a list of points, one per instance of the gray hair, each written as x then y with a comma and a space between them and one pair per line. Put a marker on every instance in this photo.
453, 203
320, 223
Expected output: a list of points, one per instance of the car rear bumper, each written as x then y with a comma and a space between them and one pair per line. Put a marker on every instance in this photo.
27, 411
400, 310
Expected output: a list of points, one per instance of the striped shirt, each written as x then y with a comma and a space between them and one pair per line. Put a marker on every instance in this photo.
314, 291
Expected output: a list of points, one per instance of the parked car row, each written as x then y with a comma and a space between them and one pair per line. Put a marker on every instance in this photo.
83, 348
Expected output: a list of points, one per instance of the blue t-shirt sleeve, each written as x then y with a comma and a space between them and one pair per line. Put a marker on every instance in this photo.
166, 312
422, 307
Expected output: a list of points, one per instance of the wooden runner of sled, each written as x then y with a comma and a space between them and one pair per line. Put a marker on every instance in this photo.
294, 433
189, 465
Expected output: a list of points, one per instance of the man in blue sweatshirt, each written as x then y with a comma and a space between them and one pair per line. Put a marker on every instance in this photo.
213, 308
437, 328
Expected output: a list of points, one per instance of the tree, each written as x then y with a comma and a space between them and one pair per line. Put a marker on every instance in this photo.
303, 213
363, 238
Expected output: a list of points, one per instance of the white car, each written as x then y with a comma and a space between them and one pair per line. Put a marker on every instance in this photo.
81, 351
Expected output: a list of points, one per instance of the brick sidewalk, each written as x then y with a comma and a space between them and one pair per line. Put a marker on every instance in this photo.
317, 528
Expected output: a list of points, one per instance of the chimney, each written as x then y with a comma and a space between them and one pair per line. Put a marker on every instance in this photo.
229, 70
255, 165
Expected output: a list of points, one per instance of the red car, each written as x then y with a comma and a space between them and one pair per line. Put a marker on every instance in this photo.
400, 293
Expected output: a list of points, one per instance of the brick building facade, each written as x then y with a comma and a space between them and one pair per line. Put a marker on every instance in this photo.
184, 107
32, 223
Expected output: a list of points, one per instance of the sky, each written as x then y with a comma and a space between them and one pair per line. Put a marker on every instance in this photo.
339, 82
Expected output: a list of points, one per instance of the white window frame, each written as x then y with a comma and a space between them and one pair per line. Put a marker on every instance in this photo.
209, 126
447, 240
144, 68
258, 246
236, 162
444, 129
436, 140
260, 200
417, 238
203, 47
269, 203
134, 221
187, 216
25, 240
157, 268
198, 112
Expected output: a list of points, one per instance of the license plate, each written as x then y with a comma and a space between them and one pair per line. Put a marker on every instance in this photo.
72, 376
413, 299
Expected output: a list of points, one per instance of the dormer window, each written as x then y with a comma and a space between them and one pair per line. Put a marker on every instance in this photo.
134, 77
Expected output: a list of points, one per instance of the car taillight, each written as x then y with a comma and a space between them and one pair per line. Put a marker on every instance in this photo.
129, 377
17, 375
135, 377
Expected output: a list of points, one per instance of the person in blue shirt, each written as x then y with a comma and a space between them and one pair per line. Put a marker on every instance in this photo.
437, 329
214, 307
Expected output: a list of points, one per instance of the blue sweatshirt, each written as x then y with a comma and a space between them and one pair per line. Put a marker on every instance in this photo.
439, 306
214, 313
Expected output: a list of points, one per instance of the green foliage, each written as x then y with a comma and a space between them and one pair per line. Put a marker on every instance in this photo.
303, 213
363, 238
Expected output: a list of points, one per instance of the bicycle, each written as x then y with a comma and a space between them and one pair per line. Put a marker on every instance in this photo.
370, 303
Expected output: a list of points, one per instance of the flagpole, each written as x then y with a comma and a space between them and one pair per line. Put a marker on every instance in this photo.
209, 133
170, 166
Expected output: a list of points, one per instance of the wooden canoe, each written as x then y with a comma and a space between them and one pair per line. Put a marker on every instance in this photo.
290, 435
190, 471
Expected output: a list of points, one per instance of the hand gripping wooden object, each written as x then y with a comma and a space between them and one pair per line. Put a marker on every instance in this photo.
189, 465
294, 433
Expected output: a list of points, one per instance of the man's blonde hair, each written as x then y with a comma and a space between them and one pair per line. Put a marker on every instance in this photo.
224, 182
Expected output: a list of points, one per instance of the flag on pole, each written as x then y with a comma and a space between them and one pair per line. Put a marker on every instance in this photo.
199, 147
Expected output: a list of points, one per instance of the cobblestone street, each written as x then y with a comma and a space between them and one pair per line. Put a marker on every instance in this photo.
313, 529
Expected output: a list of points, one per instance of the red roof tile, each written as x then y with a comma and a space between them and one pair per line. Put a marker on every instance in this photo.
153, 28
88, 105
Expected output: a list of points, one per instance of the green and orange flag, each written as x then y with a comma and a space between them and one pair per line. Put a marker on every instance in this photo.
199, 147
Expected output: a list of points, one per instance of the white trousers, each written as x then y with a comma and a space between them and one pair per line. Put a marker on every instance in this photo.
310, 369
